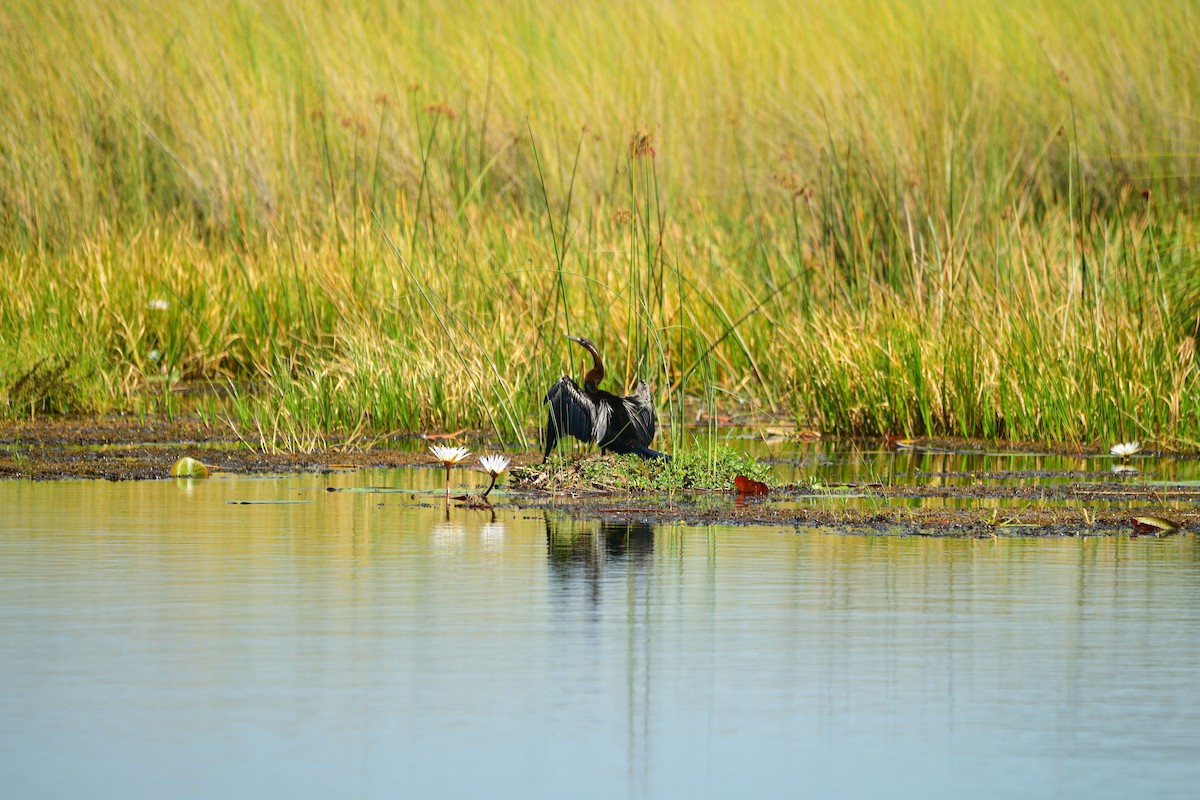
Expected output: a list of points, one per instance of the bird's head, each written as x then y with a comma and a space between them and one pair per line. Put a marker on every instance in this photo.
587, 344
596, 374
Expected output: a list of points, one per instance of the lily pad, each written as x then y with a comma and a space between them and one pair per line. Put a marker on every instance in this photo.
1153, 524
188, 467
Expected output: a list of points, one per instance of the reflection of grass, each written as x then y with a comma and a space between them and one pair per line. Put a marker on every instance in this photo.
971, 219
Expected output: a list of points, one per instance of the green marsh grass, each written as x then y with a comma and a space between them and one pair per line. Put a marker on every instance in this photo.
919, 218
699, 466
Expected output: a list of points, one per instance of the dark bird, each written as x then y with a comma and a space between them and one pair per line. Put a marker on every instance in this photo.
590, 414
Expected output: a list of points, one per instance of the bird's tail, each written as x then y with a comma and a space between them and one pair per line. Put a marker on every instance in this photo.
646, 452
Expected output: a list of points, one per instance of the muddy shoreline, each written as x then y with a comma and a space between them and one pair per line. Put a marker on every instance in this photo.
786, 509
122, 448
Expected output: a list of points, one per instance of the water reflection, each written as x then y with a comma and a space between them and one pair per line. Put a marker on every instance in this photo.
157, 642
449, 537
580, 552
835, 461
611, 566
491, 535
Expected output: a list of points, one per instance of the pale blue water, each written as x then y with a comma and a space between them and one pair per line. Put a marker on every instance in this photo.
157, 641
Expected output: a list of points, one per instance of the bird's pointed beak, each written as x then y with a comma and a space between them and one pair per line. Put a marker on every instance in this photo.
575, 339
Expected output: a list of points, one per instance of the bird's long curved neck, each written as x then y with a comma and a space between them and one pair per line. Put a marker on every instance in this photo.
591, 380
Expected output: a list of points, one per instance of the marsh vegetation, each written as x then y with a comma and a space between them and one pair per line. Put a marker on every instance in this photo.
341, 222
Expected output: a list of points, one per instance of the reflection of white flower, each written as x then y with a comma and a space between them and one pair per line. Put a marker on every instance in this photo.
491, 537
158, 304
449, 456
1126, 449
448, 537
1124, 469
494, 466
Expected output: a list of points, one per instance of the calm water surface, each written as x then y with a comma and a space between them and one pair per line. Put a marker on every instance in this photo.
831, 461
158, 640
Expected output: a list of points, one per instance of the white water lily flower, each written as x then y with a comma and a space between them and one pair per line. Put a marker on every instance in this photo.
494, 465
1125, 449
449, 456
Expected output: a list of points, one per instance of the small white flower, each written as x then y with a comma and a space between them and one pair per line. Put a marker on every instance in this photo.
494, 465
450, 456
154, 355
158, 304
1125, 449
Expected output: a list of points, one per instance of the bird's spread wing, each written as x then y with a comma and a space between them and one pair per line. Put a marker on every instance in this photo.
571, 412
640, 407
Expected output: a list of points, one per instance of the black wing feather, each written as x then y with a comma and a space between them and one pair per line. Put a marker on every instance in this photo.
570, 412
642, 418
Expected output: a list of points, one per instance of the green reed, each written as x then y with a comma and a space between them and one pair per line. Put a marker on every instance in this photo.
973, 219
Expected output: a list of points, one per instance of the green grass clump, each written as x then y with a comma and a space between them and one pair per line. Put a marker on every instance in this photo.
973, 219
695, 467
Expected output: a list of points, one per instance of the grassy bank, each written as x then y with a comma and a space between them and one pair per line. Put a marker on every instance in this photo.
977, 219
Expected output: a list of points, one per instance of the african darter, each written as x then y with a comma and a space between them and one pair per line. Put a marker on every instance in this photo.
590, 414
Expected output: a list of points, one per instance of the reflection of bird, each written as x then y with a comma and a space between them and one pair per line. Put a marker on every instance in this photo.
620, 424
579, 553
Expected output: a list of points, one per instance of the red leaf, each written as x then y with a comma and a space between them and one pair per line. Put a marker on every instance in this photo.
747, 486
